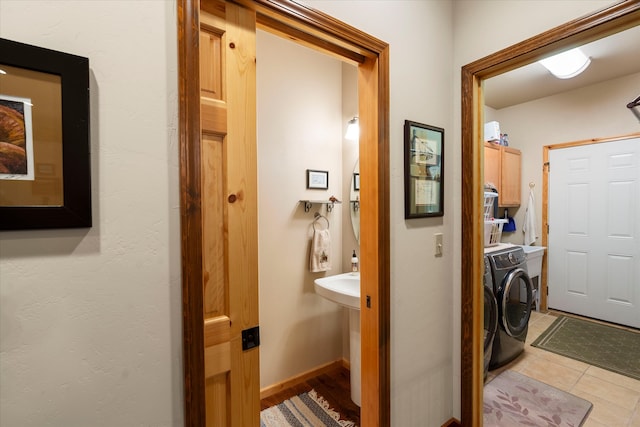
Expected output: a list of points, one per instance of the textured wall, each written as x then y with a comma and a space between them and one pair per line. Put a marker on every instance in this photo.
90, 326
90, 329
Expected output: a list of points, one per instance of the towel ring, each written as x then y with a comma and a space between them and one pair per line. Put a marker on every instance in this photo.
319, 216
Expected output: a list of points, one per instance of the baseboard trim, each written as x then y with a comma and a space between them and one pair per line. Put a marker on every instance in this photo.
290, 382
452, 423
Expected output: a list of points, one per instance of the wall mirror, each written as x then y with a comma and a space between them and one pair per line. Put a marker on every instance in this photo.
354, 201
596, 25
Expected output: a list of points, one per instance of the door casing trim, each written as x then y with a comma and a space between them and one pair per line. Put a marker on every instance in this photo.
598, 24
318, 30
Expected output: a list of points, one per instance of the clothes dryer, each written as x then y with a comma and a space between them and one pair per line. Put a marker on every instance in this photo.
513, 291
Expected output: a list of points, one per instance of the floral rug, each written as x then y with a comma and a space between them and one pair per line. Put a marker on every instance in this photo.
512, 399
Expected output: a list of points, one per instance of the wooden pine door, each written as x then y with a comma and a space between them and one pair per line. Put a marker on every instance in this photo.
229, 214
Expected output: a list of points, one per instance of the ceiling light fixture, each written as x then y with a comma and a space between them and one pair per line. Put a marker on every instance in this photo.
567, 64
353, 130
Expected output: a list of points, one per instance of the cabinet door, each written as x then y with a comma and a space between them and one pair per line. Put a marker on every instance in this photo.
509, 191
492, 165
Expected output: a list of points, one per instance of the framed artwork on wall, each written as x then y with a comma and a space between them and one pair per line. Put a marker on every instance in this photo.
45, 174
317, 180
423, 170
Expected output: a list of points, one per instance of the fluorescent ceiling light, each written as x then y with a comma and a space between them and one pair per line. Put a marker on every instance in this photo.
567, 64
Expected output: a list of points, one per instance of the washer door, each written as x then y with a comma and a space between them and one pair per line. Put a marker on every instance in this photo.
490, 318
515, 298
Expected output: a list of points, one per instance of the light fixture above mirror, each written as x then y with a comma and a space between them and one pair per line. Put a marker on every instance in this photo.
353, 129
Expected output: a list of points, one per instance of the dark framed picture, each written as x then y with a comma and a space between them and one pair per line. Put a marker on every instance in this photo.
45, 173
356, 181
317, 180
423, 170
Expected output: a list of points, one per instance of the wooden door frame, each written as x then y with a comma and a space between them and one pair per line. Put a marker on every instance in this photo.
601, 23
545, 195
321, 32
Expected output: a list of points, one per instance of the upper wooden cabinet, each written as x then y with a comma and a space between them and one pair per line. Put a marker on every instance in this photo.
502, 169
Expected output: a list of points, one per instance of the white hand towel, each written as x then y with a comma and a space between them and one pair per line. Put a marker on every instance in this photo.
529, 227
320, 256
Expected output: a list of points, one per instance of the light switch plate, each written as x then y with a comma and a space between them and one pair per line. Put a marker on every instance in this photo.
438, 240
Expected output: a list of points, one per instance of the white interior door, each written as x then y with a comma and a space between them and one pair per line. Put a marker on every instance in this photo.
594, 231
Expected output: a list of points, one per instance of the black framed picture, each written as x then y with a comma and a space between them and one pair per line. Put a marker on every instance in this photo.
45, 173
317, 180
423, 170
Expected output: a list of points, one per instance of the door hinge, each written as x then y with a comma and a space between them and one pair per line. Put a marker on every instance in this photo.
547, 165
368, 301
250, 338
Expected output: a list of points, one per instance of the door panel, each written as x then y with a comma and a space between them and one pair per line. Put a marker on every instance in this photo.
229, 219
594, 222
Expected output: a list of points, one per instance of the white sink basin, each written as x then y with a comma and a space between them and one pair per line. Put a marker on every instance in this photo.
537, 250
343, 289
533, 255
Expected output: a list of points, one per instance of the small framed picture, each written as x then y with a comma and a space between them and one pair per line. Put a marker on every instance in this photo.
317, 180
356, 181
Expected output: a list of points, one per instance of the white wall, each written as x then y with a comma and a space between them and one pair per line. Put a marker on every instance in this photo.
299, 128
420, 38
596, 111
90, 331
90, 327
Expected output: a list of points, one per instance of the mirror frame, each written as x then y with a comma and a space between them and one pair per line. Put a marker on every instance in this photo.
354, 204
599, 24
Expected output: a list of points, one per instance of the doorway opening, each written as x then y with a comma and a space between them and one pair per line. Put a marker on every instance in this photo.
305, 99
321, 32
599, 24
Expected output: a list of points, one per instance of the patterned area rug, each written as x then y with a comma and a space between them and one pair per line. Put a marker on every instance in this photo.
600, 345
512, 399
303, 410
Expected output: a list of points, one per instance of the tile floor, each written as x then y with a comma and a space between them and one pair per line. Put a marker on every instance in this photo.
615, 398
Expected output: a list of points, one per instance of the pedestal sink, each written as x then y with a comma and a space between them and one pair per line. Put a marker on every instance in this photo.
344, 289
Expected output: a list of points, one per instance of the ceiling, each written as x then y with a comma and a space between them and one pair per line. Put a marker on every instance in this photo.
611, 57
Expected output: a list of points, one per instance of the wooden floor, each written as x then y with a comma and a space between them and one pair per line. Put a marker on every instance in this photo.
333, 386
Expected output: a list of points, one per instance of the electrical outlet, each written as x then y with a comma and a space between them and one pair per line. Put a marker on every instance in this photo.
438, 240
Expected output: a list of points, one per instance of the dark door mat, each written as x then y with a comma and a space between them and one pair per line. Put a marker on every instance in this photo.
606, 347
